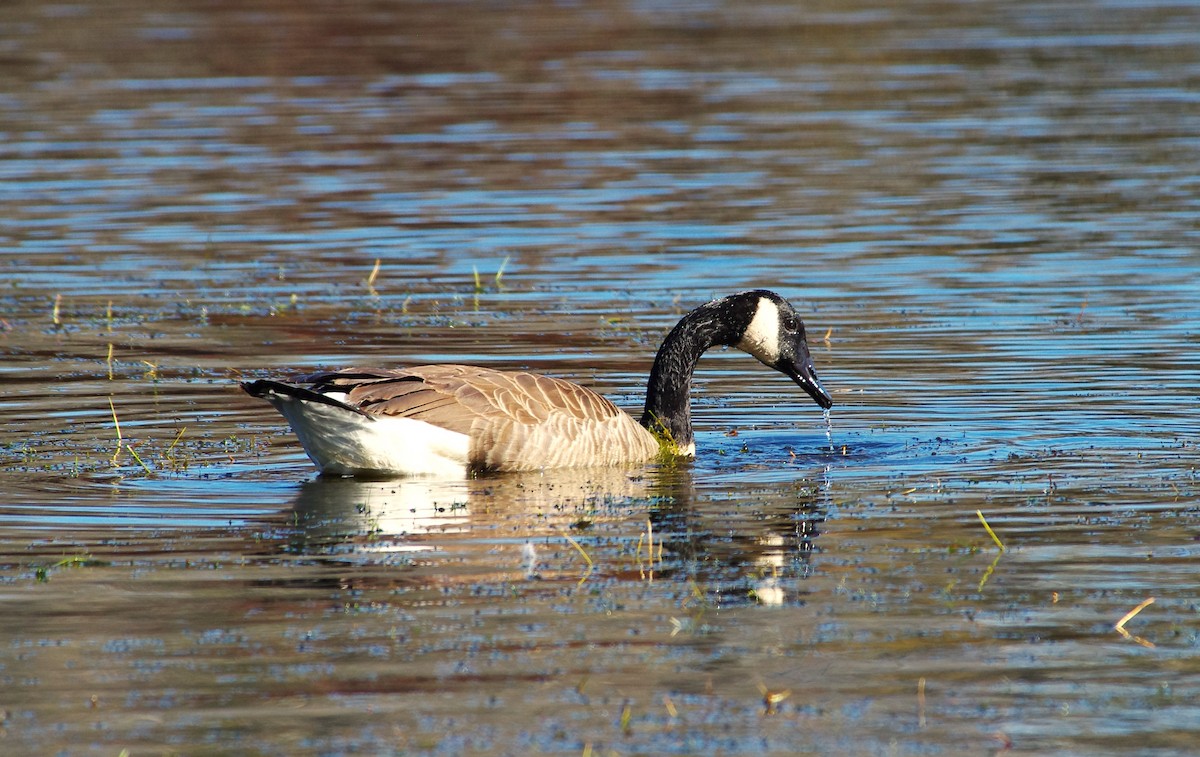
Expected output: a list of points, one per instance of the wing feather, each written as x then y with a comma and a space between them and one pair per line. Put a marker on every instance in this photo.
514, 419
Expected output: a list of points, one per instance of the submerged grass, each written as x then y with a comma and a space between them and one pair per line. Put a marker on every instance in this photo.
117, 425
1119, 627
138, 459
42, 573
480, 287
167, 455
991, 533
646, 538
87, 450
987, 574
120, 442
591, 566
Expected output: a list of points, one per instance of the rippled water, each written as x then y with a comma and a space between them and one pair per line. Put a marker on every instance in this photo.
985, 211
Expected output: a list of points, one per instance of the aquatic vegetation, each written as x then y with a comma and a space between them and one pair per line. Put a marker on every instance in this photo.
1119, 626
583, 553
480, 287
988, 528
42, 573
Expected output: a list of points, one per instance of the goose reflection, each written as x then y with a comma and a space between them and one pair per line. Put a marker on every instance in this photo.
413, 514
760, 546
329, 510
724, 541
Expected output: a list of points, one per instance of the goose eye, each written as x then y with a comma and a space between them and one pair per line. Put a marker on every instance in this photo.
789, 322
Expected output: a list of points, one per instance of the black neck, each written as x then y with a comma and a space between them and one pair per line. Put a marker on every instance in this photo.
668, 407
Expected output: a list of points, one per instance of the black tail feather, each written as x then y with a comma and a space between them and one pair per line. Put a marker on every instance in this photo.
345, 380
265, 387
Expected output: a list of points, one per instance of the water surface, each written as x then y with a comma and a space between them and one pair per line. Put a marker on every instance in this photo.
986, 213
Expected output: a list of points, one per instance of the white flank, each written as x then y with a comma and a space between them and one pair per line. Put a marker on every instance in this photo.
342, 442
761, 338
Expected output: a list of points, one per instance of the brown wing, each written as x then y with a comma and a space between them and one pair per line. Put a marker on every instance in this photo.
515, 420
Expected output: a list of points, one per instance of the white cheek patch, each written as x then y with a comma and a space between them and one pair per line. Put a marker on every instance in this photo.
762, 336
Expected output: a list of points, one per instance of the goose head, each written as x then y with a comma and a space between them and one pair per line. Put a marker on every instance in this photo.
774, 333
758, 322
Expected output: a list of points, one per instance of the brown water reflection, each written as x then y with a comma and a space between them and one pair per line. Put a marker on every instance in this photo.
392, 626
986, 212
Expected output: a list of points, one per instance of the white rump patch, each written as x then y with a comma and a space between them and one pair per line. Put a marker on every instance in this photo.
343, 442
761, 338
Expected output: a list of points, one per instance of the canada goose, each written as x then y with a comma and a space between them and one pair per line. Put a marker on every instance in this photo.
458, 419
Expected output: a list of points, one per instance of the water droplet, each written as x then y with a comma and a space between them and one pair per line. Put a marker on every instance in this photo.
828, 429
